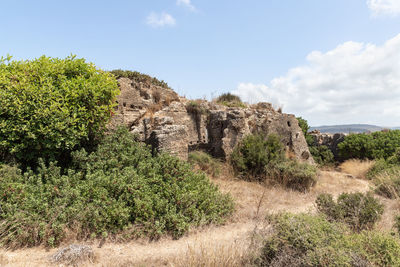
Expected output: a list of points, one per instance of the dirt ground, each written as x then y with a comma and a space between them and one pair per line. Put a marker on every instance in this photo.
218, 245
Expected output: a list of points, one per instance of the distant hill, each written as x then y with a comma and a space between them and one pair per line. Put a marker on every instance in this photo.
347, 128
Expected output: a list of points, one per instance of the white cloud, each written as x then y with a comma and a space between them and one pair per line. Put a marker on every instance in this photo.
160, 20
187, 4
384, 7
353, 83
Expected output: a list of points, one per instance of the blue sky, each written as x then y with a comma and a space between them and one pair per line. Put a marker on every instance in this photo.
314, 58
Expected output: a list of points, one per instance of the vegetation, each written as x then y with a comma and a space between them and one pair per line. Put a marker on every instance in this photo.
386, 176
205, 162
359, 211
194, 107
377, 145
388, 182
306, 240
139, 77
255, 154
230, 100
50, 107
258, 158
321, 154
118, 189
293, 174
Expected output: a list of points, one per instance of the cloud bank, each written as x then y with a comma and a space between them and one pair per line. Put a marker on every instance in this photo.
384, 7
158, 20
353, 83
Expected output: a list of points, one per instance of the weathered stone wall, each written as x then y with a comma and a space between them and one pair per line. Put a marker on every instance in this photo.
330, 140
161, 118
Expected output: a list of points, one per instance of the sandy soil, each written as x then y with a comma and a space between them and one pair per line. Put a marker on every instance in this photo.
253, 200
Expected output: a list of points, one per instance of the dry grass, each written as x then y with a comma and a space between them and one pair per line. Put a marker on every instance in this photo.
3, 259
357, 168
392, 209
73, 255
205, 255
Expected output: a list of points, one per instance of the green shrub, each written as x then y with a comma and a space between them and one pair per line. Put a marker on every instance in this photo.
377, 145
119, 189
139, 77
322, 155
230, 100
194, 107
385, 174
50, 107
260, 159
205, 162
359, 211
306, 240
293, 174
254, 153
378, 167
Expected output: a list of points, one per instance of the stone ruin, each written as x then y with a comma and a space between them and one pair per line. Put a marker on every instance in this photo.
177, 125
329, 140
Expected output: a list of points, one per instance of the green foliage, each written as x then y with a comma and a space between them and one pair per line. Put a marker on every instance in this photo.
194, 107
377, 145
322, 155
205, 162
359, 211
120, 189
230, 100
255, 153
306, 240
51, 106
259, 158
385, 174
139, 77
293, 174
303, 125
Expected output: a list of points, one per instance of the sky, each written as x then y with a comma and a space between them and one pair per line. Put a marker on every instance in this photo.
330, 61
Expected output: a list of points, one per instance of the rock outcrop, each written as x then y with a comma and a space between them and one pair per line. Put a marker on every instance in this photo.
178, 125
330, 140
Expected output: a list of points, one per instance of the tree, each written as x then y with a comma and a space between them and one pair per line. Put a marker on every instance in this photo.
51, 106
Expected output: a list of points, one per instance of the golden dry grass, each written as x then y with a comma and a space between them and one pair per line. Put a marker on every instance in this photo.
3, 259
357, 168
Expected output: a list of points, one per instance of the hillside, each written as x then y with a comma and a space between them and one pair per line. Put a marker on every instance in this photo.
347, 128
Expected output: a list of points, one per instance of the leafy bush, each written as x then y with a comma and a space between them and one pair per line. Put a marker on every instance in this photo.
306, 240
254, 153
230, 100
259, 158
322, 155
139, 77
377, 145
51, 106
205, 162
359, 211
379, 166
293, 174
118, 189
